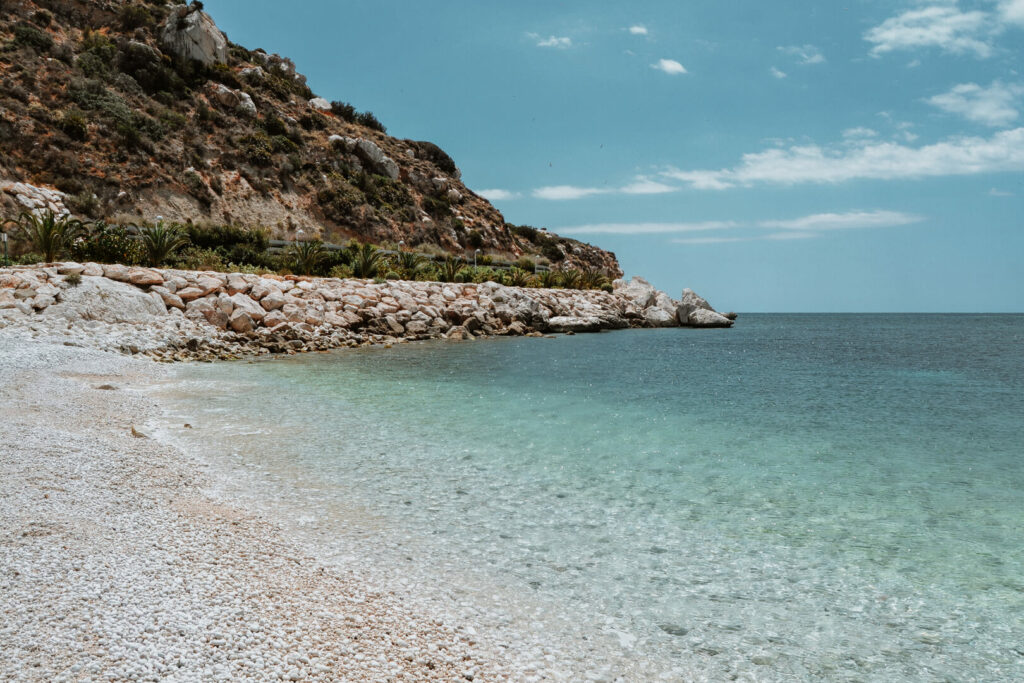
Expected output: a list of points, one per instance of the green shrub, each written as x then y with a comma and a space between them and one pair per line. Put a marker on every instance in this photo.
474, 239
436, 208
161, 241
551, 252
26, 35
107, 244
84, 203
222, 73
135, 16
450, 269
339, 199
517, 277
74, 125
344, 111
257, 148
341, 272
549, 279
227, 237
42, 18
526, 264
196, 258
73, 279
571, 278
437, 156
92, 66
274, 126
307, 257
593, 278
366, 260
367, 119
49, 233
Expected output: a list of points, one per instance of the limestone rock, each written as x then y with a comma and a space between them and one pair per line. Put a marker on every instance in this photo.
320, 104
690, 302
143, 277
369, 152
241, 322
658, 317
567, 323
190, 33
107, 301
272, 300
638, 290
703, 317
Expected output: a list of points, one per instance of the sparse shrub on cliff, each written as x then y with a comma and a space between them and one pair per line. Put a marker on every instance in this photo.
49, 233
27, 35
257, 148
307, 257
366, 118
161, 241
135, 16
551, 252
344, 111
437, 156
74, 125
73, 279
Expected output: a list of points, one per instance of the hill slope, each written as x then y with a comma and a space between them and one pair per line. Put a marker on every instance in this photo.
141, 109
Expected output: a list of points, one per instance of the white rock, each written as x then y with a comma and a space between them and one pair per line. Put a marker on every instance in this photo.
191, 34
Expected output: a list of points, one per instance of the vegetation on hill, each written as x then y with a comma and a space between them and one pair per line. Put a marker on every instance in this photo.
94, 103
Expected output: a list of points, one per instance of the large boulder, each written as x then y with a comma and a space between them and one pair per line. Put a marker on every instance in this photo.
689, 303
375, 158
190, 33
567, 323
98, 298
703, 317
638, 290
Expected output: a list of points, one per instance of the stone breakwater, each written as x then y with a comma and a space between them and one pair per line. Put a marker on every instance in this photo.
182, 315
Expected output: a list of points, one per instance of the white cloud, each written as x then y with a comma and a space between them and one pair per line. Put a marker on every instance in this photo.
996, 192
559, 192
1012, 11
843, 221
943, 26
498, 195
859, 133
647, 186
778, 73
805, 54
711, 240
1004, 151
559, 42
995, 105
638, 30
645, 228
669, 66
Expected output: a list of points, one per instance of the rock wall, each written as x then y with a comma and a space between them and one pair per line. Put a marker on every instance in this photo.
179, 315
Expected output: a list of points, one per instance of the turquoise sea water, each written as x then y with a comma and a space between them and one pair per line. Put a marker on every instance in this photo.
802, 497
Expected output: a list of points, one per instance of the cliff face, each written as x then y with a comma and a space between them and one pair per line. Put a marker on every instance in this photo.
140, 109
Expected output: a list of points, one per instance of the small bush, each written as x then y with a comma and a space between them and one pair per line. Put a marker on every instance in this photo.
135, 16
341, 272
552, 252
42, 18
344, 111
195, 258
275, 126
257, 149
437, 156
107, 244
74, 125
161, 241
367, 119
526, 264
73, 279
26, 35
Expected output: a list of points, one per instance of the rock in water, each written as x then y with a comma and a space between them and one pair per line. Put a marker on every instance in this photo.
702, 317
191, 34
690, 303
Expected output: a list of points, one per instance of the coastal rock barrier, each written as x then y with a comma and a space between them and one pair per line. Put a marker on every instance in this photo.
185, 315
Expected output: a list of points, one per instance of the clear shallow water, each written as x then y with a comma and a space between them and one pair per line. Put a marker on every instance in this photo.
800, 497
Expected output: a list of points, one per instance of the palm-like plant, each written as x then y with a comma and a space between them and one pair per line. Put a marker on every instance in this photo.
593, 279
367, 261
517, 277
571, 278
409, 265
450, 269
306, 257
49, 233
549, 279
161, 242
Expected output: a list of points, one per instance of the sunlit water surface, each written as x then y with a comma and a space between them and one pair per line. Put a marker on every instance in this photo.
800, 497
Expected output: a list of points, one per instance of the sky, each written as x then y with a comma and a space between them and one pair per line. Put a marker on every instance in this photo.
865, 155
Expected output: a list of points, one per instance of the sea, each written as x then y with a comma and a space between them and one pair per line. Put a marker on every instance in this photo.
801, 497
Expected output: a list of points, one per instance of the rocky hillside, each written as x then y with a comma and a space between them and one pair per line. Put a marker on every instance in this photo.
132, 110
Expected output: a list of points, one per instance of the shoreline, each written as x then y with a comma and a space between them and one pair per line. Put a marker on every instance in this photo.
151, 548
117, 557
174, 315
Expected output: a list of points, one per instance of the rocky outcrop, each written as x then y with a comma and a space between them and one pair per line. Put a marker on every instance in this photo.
372, 155
190, 33
694, 311
174, 314
35, 199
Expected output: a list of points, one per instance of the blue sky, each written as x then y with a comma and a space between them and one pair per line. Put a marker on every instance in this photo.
783, 156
